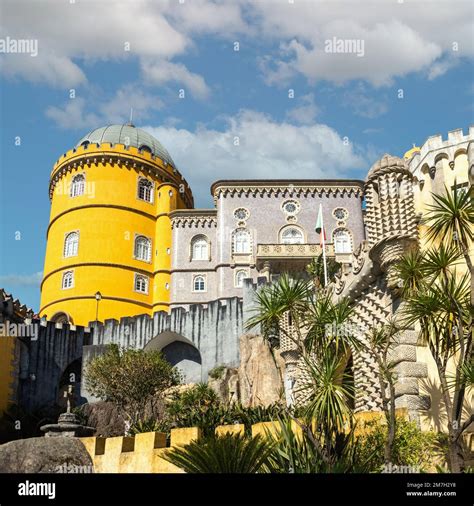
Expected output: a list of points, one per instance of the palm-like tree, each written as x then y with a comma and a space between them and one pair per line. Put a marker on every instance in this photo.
439, 300
319, 335
451, 220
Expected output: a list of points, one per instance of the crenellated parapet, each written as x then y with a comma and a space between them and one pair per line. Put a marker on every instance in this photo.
123, 157
436, 151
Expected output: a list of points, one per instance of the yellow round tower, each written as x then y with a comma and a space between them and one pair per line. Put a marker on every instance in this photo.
108, 252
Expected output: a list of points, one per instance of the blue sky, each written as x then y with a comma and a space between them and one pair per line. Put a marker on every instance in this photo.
115, 55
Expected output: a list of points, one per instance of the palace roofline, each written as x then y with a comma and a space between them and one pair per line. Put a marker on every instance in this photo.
284, 182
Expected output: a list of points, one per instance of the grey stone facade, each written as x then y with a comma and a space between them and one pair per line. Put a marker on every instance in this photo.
265, 222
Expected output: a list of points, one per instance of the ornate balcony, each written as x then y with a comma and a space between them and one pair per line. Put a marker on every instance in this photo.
289, 256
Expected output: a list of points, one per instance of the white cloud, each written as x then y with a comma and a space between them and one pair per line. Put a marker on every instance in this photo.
22, 279
399, 38
265, 147
305, 112
87, 32
162, 72
74, 115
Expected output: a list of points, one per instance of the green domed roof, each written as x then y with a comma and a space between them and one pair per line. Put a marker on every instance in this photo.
128, 135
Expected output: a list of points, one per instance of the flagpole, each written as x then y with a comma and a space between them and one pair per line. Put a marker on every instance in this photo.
323, 244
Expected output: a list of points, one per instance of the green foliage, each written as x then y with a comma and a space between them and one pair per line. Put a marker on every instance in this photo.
149, 425
296, 452
316, 269
229, 453
216, 372
412, 447
200, 407
130, 378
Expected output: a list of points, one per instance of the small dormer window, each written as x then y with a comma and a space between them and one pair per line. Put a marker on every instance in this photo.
146, 148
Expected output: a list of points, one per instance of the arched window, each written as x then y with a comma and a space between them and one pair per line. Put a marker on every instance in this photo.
199, 248
342, 241
292, 235
145, 190
142, 248
71, 244
239, 278
60, 318
78, 185
141, 284
241, 242
68, 280
199, 284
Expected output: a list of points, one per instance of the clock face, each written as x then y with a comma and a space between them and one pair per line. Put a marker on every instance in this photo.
241, 214
340, 214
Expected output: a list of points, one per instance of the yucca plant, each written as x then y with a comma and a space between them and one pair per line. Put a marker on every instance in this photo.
229, 453
441, 303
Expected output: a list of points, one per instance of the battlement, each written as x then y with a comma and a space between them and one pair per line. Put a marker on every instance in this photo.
143, 453
128, 156
456, 141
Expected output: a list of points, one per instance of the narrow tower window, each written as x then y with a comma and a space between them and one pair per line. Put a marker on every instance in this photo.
141, 284
71, 244
199, 248
145, 190
199, 284
142, 248
239, 278
241, 242
68, 280
78, 185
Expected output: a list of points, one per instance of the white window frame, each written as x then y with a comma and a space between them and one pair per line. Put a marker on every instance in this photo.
235, 234
147, 283
75, 251
204, 281
196, 239
78, 188
292, 227
349, 237
70, 275
150, 248
236, 277
152, 190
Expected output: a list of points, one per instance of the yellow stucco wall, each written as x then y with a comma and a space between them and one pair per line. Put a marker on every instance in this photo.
446, 175
108, 217
143, 453
7, 371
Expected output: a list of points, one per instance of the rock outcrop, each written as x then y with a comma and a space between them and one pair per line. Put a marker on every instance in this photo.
45, 455
261, 372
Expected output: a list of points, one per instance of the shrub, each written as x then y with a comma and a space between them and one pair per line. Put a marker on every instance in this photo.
412, 447
130, 379
216, 372
200, 407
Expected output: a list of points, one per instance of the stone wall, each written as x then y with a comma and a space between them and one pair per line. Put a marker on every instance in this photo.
42, 362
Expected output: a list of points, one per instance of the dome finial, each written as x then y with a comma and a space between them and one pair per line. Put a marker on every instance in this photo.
131, 118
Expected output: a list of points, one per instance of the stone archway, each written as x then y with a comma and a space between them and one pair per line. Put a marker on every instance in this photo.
180, 352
